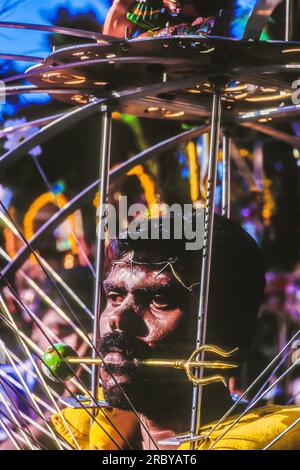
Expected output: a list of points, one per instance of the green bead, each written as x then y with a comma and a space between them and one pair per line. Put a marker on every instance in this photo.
53, 364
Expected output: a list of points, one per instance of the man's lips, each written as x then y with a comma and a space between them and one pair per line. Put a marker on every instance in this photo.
116, 365
115, 357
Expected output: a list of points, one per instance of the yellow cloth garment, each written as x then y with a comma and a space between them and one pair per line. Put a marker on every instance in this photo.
253, 432
98, 436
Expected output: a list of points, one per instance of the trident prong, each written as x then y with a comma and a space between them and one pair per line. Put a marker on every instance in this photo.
54, 362
193, 363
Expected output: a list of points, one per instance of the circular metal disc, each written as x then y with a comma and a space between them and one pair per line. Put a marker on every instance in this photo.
257, 73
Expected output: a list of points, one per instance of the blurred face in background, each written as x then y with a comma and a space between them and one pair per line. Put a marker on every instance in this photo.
54, 323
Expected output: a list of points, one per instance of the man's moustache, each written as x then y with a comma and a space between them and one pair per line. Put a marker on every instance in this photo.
129, 347
132, 348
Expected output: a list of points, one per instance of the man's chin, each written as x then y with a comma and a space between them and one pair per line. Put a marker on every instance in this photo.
125, 396
126, 388
113, 380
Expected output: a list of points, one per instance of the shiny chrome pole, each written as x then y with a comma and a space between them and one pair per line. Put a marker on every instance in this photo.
226, 175
289, 4
105, 154
207, 251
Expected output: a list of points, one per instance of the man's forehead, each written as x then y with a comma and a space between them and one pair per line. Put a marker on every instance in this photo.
130, 277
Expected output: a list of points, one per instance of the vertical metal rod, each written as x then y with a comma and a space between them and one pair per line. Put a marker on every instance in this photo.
226, 176
207, 251
105, 154
288, 19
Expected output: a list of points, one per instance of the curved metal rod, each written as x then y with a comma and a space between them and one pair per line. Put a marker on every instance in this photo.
36, 71
90, 109
50, 130
88, 192
255, 76
255, 71
60, 30
258, 18
243, 168
251, 116
28, 125
22, 90
22, 58
274, 113
275, 133
188, 107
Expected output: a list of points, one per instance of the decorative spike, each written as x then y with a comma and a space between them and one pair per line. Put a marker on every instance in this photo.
58, 360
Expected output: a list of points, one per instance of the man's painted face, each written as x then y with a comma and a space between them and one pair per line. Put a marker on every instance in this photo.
142, 319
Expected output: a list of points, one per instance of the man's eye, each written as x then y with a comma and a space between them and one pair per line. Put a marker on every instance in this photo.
161, 301
115, 298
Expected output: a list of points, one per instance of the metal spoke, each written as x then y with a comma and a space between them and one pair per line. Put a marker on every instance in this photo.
21, 438
72, 231
226, 175
28, 124
9, 434
16, 385
289, 10
45, 266
207, 253
275, 133
258, 18
46, 387
46, 299
76, 115
22, 58
272, 375
282, 434
89, 192
32, 89
104, 167
4, 402
94, 349
75, 382
60, 30
250, 407
249, 389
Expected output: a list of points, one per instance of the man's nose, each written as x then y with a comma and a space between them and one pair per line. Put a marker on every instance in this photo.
127, 316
